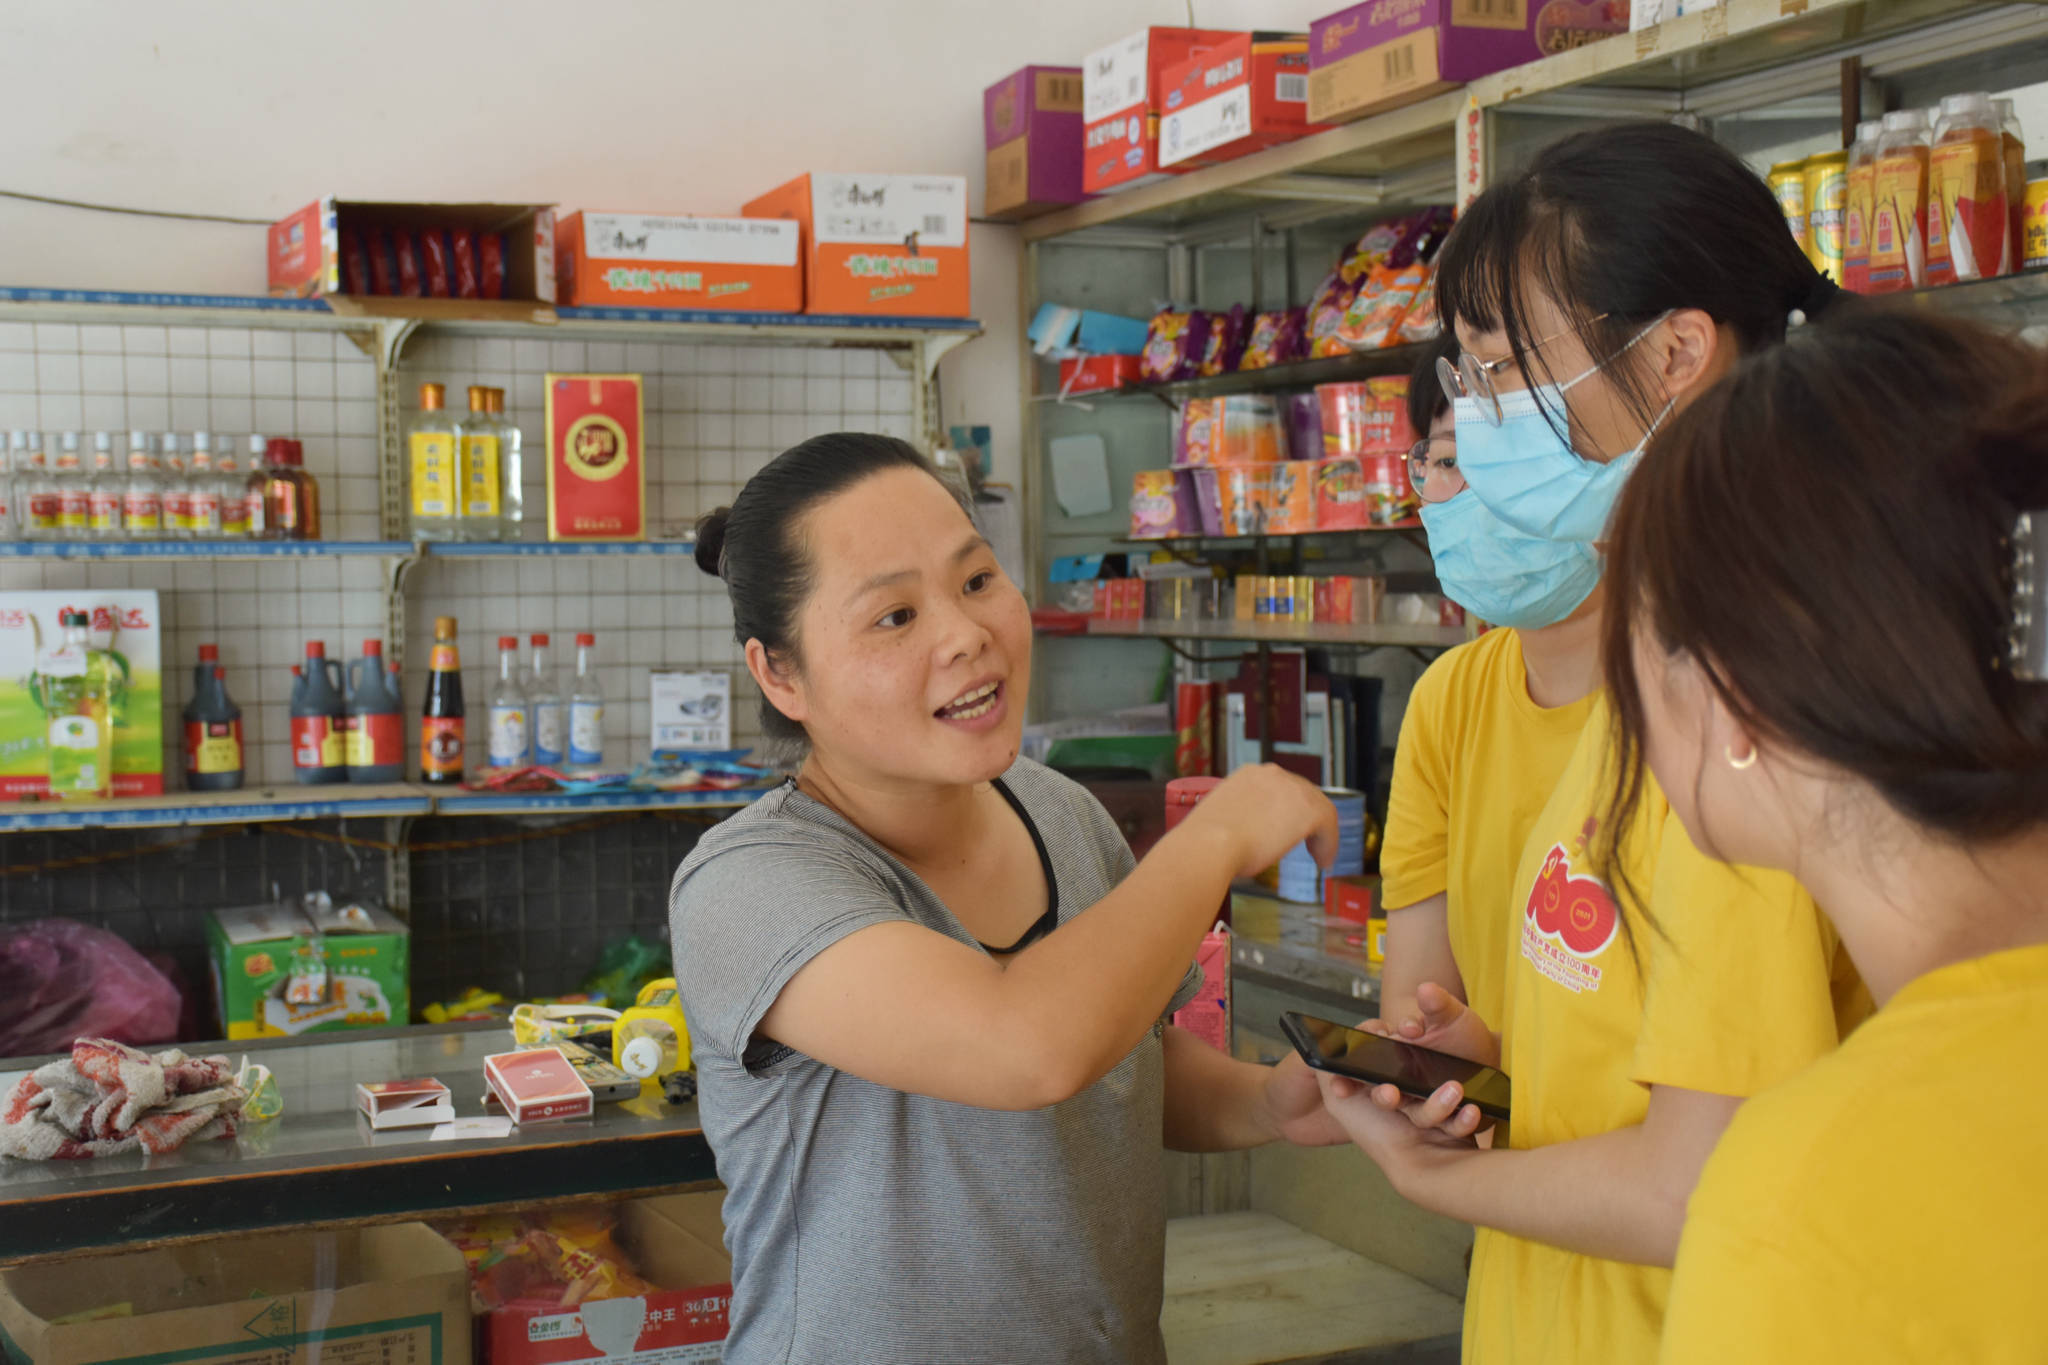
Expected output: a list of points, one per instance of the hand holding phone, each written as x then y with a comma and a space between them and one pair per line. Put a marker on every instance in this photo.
1413, 1070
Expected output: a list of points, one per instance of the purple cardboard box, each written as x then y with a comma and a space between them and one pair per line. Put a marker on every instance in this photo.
1031, 121
1377, 56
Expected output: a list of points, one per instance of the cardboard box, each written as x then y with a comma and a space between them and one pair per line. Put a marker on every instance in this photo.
1236, 97
638, 260
1350, 898
675, 1242
125, 621
1098, 374
538, 1085
393, 1293
405, 1104
1386, 53
279, 972
1031, 121
878, 245
597, 462
691, 711
306, 253
1122, 93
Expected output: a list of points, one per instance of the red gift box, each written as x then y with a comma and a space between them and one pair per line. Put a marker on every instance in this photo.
1097, 373
597, 466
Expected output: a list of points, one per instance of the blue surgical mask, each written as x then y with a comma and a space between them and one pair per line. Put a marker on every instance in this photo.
1527, 473
1498, 573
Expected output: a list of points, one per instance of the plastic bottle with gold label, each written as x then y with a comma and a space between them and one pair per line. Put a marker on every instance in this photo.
1898, 237
1860, 207
2015, 141
478, 448
1966, 188
435, 468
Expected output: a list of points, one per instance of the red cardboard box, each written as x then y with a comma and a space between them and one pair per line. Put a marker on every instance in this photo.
1236, 97
1350, 898
597, 466
1031, 120
537, 1085
405, 1104
675, 1242
1122, 90
305, 251
638, 260
888, 245
1097, 373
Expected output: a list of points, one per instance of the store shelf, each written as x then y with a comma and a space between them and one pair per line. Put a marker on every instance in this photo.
520, 549
203, 549
1250, 544
1283, 633
1304, 374
270, 805
19, 304
557, 803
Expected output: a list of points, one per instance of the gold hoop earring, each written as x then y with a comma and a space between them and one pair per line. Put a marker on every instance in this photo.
1743, 764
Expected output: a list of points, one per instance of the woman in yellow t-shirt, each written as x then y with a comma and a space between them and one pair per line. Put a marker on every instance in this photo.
1835, 659
1605, 286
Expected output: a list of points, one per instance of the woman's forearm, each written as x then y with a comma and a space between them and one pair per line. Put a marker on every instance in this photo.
1214, 1103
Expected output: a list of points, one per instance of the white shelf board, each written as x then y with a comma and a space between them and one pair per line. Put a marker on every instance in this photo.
203, 549
1283, 633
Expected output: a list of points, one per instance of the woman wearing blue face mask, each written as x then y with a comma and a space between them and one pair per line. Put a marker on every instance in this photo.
1592, 294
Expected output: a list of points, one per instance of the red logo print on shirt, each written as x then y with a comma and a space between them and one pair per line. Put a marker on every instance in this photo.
1568, 921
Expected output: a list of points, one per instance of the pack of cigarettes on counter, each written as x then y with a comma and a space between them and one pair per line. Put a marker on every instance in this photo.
538, 1085
418, 1102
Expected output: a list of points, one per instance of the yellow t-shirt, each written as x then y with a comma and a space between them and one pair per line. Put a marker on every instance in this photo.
1889, 1203
1476, 761
1735, 991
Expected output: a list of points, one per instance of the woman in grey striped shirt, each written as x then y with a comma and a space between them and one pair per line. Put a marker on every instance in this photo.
926, 981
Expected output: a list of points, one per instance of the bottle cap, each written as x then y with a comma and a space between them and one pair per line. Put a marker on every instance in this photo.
71, 618
586, 639
479, 398
496, 400
256, 447
541, 641
432, 396
209, 653
444, 627
508, 642
316, 649
373, 649
1902, 120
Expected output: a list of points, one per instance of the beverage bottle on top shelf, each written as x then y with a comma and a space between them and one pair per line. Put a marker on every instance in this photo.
142, 499
477, 470
213, 729
1966, 189
2015, 142
1859, 205
376, 724
291, 497
39, 493
586, 709
202, 490
253, 485
511, 722
1898, 238
170, 468
441, 756
319, 743
105, 487
511, 498
228, 488
431, 448
74, 490
10, 516
550, 716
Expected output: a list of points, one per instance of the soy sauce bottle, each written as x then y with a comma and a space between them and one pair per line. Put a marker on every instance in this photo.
441, 757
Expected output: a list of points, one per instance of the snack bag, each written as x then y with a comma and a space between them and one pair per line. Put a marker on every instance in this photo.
406, 247
1194, 433
1421, 323
1340, 496
1291, 498
1173, 346
383, 274
465, 263
434, 253
1277, 339
1225, 347
1374, 318
1326, 310
490, 266
1421, 233
355, 264
1247, 429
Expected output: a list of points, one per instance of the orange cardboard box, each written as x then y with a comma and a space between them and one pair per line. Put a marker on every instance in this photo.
637, 260
306, 248
1121, 98
597, 465
877, 245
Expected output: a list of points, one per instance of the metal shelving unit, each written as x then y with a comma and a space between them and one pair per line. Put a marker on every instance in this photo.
205, 549
1287, 633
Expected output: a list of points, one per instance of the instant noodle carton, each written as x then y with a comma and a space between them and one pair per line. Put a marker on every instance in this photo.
889, 245
127, 626
1122, 94
1386, 53
639, 260
1237, 97
285, 969
1032, 122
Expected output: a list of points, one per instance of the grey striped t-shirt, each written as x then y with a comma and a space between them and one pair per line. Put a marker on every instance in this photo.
870, 1225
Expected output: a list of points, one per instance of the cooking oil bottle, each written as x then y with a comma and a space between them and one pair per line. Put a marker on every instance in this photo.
78, 699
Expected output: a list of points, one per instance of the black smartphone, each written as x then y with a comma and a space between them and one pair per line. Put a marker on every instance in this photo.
1417, 1071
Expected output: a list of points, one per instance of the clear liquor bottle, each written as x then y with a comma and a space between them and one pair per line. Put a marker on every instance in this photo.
477, 443
253, 484
550, 714
104, 491
74, 489
10, 510
511, 473
233, 495
36, 487
142, 496
511, 743
586, 709
177, 503
202, 491
431, 445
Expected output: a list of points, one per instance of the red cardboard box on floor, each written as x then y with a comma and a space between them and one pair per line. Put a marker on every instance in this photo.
892, 245
1122, 87
1237, 97
638, 260
676, 1242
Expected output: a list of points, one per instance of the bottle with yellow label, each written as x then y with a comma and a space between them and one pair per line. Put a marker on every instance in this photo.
477, 439
435, 469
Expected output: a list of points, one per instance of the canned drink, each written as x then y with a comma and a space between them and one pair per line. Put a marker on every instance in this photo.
1827, 201
2034, 242
1787, 180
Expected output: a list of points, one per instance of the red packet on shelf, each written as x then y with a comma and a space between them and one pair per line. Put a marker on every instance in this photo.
416, 1102
538, 1085
1207, 1016
597, 468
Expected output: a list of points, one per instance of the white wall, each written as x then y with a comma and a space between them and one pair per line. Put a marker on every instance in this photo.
253, 109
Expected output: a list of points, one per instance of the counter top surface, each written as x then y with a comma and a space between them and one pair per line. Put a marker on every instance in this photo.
319, 1161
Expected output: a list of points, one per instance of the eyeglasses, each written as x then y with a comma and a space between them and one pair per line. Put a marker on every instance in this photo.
1471, 377
1433, 469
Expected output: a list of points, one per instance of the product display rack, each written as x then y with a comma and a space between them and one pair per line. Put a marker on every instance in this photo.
1287, 633
346, 801
316, 549
1305, 374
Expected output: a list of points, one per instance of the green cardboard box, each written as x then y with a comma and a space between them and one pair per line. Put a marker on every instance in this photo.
315, 966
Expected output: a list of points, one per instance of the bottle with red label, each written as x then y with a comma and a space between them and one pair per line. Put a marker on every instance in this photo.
213, 729
375, 719
319, 743
441, 755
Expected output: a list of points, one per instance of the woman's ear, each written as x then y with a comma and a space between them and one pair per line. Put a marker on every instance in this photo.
1690, 353
784, 690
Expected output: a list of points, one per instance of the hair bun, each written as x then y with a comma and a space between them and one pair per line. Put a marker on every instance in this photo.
711, 540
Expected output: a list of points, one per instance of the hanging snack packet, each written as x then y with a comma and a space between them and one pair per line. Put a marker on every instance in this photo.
1174, 344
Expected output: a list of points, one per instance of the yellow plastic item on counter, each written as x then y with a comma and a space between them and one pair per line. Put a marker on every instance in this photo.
537, 1025
652, 1039
473, 1004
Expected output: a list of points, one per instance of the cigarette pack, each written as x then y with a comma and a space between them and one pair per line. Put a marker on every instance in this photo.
538, 1085
412, 1103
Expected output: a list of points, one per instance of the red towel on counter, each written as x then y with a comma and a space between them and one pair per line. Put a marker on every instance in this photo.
108, 1097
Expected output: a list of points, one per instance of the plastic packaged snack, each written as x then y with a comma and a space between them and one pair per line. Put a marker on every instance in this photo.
1194, 433
1246, 429
383, 269
406, 249
1303, 418
1389, 499
1243, 492
490, 266
1291, 498
1225, 346
355, 264
1421, 322
1340, 494
1365, 415
464, 242
1326, 310
1277, 339
1163, 504
434, 261
1173, 346
1208, 500
1374, 318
